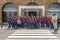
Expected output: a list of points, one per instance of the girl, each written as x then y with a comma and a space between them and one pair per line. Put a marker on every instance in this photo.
19, 23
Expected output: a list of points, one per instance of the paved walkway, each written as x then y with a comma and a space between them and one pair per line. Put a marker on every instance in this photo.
34, 34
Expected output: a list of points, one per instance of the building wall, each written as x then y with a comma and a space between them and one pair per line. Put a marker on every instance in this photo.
46, 3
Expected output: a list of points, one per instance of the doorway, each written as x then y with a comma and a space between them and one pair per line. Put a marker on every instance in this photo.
8, 10
33, 13
54, 8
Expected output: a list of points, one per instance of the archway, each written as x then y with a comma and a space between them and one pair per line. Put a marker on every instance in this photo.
32, 11
54, 8
32, 4
8, 10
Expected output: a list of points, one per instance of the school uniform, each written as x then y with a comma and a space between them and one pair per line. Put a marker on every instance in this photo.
42, 22
47, 22
25, 23
58, 22
31, 22
9, 23
18, 23
13, 23
37, 23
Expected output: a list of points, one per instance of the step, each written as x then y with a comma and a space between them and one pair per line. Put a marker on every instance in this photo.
26, 37
31, 39
32, 31
33, 34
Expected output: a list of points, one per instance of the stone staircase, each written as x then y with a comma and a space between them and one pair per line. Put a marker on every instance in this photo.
32, 34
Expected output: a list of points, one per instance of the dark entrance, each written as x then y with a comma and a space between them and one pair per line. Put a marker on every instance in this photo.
4, 17
8, 10
33, 13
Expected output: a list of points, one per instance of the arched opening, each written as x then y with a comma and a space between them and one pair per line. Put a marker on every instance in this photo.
54, 8
32, 4
8, 10
34, 12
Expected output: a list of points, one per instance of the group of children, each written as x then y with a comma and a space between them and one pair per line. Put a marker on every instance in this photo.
30, 22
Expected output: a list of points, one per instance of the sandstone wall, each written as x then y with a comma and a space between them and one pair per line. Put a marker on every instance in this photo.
46, 3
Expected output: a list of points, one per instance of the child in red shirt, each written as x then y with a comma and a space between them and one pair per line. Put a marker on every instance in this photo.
47, 21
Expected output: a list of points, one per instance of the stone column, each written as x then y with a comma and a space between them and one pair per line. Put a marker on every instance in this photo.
20, 11
43, 11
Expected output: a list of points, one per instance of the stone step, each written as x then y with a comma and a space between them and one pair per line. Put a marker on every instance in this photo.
39, 37
33, 34
31, 31
31, 39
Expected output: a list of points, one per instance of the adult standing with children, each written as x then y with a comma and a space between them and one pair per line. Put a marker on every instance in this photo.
54, 21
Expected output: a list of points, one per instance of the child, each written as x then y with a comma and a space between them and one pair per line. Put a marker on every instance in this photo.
19, 23
47, 21
37, 22
9, 22
31, 22
13, 22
